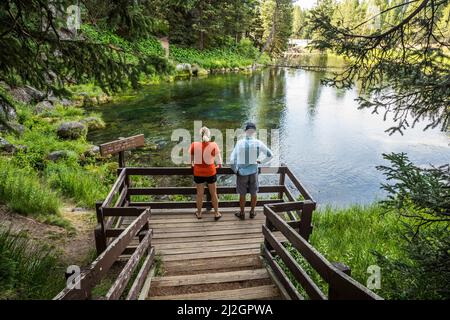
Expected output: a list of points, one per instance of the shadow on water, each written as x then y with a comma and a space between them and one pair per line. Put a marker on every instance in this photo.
331, 145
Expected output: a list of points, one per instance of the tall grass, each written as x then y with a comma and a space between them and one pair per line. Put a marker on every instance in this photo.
22, 190
350, 236
83, 185
27, 271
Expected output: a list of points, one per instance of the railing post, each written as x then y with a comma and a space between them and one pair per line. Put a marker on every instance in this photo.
333, 290
127, 185
282, 180
99, 231
305, 226
269, 226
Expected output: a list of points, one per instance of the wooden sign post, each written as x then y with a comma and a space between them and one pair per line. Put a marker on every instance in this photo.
121, 145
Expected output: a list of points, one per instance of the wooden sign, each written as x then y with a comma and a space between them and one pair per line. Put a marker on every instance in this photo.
120, 145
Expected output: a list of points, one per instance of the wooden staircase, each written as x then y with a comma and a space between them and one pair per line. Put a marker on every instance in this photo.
205, 259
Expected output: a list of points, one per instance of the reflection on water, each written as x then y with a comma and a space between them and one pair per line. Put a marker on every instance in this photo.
331, 145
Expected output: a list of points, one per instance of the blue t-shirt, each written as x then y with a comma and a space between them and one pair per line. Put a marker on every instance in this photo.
245, 155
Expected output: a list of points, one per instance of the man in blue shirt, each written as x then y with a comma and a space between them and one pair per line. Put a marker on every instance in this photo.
244, 161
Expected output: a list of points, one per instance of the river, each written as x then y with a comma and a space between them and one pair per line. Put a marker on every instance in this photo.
331, 145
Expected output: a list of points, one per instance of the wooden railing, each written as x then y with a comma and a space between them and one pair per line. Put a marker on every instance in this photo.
119, 202
277, 233
82, 286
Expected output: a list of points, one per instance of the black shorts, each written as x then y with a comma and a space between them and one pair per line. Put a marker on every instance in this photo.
208, 180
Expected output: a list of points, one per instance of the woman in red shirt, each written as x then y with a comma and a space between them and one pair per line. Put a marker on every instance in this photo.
203, 156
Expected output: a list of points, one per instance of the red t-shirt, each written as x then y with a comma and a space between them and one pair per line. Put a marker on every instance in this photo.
203, 155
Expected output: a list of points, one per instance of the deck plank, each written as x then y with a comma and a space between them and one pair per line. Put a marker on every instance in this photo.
252, 293
210, 255
208, 278
249, 261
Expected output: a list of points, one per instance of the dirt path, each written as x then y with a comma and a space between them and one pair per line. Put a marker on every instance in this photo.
76, 247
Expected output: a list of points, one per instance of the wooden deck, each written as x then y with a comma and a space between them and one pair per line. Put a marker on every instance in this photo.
207, 259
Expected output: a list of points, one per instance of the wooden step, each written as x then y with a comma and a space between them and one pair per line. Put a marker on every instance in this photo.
208, 247
205, 239
159, 234
215, 243
209, 255
249, 261
260, 292
208, 278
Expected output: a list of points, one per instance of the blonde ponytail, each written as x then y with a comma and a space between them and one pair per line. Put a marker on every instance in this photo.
206, 134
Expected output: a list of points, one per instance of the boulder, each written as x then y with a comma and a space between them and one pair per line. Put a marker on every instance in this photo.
92, 152
71, 130
66, 102
6, 146
12, 126
58, 155
93, 123
183, 69
27, 94
43, 107
89, 101
104, 98
7, 111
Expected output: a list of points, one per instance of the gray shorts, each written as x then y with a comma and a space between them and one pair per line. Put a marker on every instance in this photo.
247, 184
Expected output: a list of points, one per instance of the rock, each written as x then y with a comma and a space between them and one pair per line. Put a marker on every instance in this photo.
89, 101
66, 102
53, 99
43, 107
92, 152
6, 146
17, 128
12, 126
161, 144
104, 98
236, 69
27, 94
7, 111
57, 155
93, 123
71, 130
183, 69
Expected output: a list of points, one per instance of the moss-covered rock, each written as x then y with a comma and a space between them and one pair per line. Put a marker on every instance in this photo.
93, 123
71, 130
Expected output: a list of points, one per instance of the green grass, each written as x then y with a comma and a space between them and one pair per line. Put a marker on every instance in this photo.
84, 185
350, 236
28, 271
35, 185
22, 190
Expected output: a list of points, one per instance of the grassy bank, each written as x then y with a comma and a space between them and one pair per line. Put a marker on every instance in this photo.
158, 68
351, 236
27, 271
33, 183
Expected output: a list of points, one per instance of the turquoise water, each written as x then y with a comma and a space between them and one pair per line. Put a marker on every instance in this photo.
331, 145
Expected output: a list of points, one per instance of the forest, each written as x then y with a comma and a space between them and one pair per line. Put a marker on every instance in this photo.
62, 60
